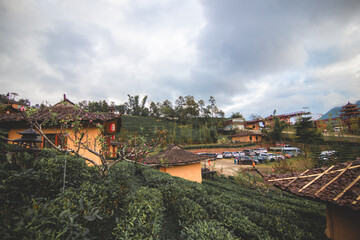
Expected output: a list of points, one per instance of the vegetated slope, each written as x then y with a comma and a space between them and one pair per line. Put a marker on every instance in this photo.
138, 202
200, 131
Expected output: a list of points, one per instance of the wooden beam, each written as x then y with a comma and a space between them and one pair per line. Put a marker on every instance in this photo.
356, 200
347, 188
312, 175
296, 178
344, 170
311, 182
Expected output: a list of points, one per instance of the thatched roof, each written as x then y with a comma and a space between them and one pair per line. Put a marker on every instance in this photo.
60, 111
174, 156
338, 184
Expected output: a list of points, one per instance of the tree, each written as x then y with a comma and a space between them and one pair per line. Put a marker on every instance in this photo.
154, 109
237, 115
134, 108
306, 132
191, 108
214, 111
255, 117
166, 110
92, 106
273, 132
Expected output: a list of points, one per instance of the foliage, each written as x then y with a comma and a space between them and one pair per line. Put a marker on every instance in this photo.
92, 106
138, 202
10, 97
206, 230
244, 178
273, 132
178, 133
236, 115
142, 217
283, 166
306, 132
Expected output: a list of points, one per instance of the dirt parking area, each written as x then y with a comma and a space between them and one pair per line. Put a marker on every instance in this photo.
227, 167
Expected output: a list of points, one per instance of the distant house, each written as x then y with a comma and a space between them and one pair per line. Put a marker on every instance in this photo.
178, 162
286, 118
247, 136
69, 114
339, 187
253, 125
234, 124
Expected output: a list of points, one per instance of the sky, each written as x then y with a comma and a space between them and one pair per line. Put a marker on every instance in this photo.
252, 56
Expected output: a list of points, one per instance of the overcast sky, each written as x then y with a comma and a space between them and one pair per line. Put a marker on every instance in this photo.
252, 56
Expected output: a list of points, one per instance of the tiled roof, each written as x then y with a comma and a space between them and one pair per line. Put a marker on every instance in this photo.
174, 155
338, 184
62, 110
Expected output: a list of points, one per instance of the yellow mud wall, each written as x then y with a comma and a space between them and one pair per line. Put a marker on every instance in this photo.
246, 139
190, 172
253, 126
342, 223
241, 139
91, 135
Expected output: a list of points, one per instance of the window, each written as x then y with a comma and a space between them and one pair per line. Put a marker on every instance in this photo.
57, 139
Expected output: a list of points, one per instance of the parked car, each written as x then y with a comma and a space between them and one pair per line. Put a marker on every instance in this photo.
246, 160
260, 159
227, 155
241, 153
219, 155
326, 155
249, 152
258, 151
272, 157
289, 154
210, 155
235, 154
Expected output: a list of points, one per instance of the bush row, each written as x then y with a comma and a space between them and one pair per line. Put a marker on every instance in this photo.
137, 202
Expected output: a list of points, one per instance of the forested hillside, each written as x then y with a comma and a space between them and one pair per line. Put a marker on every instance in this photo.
138, 202
179, 133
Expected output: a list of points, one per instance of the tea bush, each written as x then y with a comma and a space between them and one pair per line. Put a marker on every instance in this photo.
138, 202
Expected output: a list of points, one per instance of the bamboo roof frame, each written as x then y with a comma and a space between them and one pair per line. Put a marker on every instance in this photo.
307, 176
333, 180
317, 176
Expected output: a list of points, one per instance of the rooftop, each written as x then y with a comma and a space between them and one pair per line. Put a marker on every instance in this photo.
338, 184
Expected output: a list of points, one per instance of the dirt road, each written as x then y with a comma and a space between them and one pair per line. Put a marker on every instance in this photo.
227, 167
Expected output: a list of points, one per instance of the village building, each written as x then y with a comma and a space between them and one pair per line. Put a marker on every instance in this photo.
346, 118
178, 162
247, 136
286, 118
253, 125
338, 186
75, 125
350, 114
235, 124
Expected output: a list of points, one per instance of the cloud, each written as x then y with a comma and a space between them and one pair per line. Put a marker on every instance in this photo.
282, 45
252, 56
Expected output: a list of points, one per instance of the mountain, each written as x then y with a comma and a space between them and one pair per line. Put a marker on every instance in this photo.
334, 112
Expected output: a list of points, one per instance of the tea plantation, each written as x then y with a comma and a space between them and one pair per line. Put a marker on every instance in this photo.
137, 202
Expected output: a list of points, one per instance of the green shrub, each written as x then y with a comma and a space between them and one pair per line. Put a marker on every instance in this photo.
206, 230
143, 216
